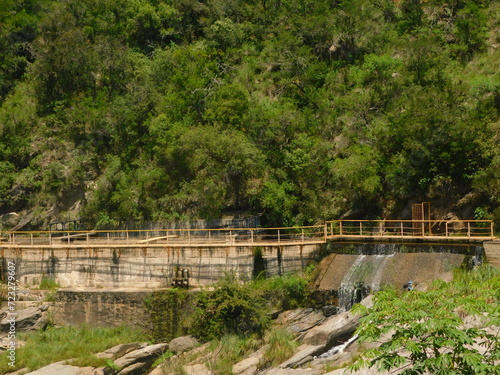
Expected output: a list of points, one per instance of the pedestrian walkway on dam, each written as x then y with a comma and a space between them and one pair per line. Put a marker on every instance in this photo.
356, 230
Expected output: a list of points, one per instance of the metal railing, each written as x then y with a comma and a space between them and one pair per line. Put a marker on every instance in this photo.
166, 237
450, 229
411, 228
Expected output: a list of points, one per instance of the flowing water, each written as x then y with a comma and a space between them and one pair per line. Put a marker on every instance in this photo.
374, 265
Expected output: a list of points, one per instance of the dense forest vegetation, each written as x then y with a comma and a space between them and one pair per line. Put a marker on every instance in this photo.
300, 110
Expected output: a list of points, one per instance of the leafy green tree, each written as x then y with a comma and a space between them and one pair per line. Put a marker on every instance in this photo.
450, 329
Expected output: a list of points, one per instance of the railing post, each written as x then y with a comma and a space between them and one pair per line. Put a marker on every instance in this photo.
251, 235
107, 235
340, 228
423, 229
127, 236
446, 229
279, 236
360, 228
87, 238
468, 229
326, 231
68, 239
302, 234
402, 232
209, 236
189, 236
492, 225
31, 239
50, 238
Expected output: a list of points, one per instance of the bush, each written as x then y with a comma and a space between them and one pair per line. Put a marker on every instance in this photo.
230, 308
286, 292
441, 329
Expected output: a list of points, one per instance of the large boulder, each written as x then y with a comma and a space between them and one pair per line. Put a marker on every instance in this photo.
183, 344
120, 350
335, 329
145, 355
29, 319
60, 368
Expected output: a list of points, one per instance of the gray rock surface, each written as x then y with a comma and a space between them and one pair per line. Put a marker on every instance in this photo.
183, 344
28, 319
120, 350
146, 355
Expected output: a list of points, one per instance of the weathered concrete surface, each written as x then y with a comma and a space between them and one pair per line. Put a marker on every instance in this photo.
101, 307
396, 269
151, 267
492, 250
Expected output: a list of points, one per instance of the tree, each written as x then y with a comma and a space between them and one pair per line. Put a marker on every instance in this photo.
450, 329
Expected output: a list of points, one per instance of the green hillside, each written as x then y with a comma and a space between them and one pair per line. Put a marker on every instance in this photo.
300, 110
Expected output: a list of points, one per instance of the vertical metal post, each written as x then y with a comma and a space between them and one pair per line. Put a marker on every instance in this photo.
87, 238
340, 228
127, 236
302, 234
209, 236
107, 236
251, 235
278, 236
423, 228
189, 236
50, 238
446, 229
468, 229
492, 224
68, 238
360, 228
31, 239
402, 232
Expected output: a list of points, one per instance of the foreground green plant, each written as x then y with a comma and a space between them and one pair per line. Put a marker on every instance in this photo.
450, 329
65, 343
282, 344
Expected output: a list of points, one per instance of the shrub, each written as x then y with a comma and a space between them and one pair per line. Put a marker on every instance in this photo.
440, 329
230, 308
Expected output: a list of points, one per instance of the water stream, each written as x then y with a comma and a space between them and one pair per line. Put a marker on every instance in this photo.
377, 263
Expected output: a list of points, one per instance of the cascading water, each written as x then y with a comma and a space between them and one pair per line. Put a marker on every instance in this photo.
377, 264
365, 274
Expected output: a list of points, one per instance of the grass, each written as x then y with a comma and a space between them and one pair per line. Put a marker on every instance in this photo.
282, 345
48, 283
64, 343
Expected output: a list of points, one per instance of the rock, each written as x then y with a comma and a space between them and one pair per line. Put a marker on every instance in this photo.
157, 371
137, 368
335, 328
57, 368
196, 369
183, 344
303, 354
147, 355
289, 371
250, 365
120, 350
300, 320
9, 220
26, 320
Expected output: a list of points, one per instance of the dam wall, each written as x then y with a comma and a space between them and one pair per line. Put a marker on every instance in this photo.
130, 267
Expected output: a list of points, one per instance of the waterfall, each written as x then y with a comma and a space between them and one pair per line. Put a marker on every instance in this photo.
373, 265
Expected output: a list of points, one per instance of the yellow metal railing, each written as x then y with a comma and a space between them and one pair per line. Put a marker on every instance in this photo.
452, 229
213, 237
411, 228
